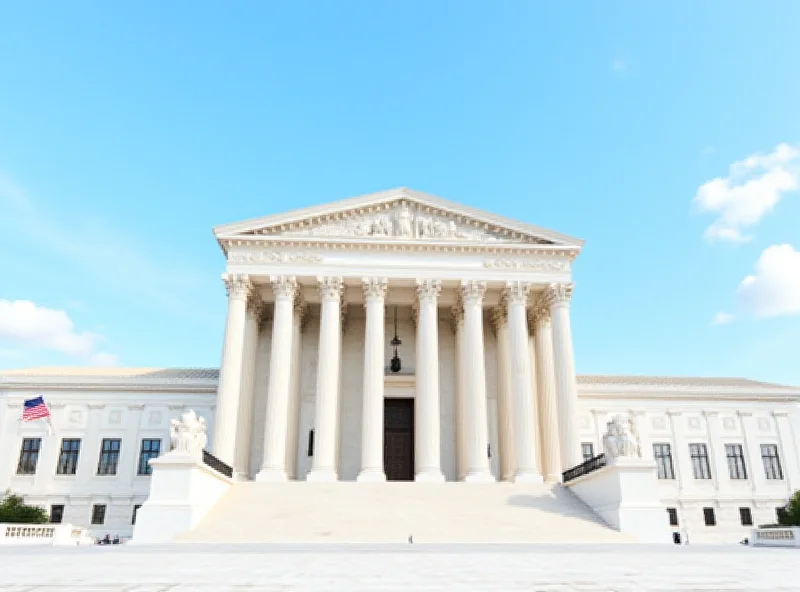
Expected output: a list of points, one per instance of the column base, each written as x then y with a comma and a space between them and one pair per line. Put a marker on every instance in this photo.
241, 477
322, 476
528, 478
429, 476
482, 477
271, 476
371, 476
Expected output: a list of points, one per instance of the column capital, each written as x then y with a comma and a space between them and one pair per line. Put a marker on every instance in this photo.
499, 316
540, 315
374, 288
517, 292
744, 413
558, 295
284, 286
428, 289
472, 291
256, 307
779, 414
237, 286
456, 315
330, 288
300, 310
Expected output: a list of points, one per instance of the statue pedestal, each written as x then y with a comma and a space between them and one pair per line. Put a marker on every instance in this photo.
624, 494
182, 491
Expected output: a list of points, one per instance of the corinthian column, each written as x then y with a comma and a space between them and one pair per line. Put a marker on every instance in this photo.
273, 467
546, 389
472, 293
457, 320
327, 406
372, 415
516, 294
241, 468
504, 395
558, 297
428, 453
239, 289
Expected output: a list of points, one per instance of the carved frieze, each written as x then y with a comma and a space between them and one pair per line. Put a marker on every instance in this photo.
527, 264
273, 257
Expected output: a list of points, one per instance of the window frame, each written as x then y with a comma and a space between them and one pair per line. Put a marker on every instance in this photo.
68, 458
28, 457
108, 461
698, 454
772, 462
737, 467
709, 513
748, 513
673, 516
98, 509
143, 467
52, 512
664, 463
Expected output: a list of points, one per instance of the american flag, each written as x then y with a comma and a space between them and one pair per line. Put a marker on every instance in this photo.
35, 409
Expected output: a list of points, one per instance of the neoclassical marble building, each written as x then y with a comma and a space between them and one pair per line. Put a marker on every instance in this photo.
400, 337
324, 284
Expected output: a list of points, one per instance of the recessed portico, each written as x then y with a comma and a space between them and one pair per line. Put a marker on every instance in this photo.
326, 285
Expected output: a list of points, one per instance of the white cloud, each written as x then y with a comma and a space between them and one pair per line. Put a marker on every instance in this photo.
722, 318
26, 324
751, 190
774, 289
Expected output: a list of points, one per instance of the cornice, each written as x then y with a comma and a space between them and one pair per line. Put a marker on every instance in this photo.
633, 391
394, 244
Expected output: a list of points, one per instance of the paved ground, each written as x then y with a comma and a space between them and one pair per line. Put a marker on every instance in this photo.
377, 568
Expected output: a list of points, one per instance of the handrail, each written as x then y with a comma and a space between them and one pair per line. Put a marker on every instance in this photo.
216, 464
584, 468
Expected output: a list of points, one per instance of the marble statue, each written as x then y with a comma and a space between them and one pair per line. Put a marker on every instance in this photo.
188, 435
619, 440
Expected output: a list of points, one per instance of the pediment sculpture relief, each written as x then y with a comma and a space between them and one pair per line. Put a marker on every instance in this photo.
402, 222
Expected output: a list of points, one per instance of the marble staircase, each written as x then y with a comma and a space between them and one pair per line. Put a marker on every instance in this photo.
304, 512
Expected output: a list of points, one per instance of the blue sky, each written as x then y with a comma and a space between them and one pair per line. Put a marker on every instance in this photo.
128, 130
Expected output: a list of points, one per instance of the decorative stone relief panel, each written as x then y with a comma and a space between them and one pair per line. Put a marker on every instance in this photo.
694, 423
659, 423
399, 220
729, 423
764, 425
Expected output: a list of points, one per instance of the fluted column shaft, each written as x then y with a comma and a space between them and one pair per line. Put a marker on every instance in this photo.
526, 469
327, 404
241, 466
457, 312
428, 463
558, 297
239, 289
505, 414
273, 467
478, 471
294, 388
546, 391
372, 414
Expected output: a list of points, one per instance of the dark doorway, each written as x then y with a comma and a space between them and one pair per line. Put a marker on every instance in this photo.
398, 439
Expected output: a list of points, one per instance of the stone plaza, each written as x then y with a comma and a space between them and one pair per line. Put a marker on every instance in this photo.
378, 568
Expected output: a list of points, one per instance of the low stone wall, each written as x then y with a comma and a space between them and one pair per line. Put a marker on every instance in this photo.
775, 537
43, 534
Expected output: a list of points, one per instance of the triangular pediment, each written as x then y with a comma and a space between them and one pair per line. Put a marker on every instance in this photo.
398, 214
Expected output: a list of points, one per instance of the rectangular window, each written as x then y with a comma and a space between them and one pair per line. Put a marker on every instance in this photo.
109, 456
772, 464
673, 516
150, 449
68, 457
310, 450
98, 513
700, 466
709, 517
56, 513
135, 510
745, 516
663, 457
587, 448
736, 468
29, 456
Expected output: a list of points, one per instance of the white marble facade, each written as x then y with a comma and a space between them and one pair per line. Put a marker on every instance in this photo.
482, 309
312, 295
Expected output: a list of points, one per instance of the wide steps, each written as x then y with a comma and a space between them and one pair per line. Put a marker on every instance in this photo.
304, 512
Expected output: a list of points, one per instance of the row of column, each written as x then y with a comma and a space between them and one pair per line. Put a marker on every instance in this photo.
529, 380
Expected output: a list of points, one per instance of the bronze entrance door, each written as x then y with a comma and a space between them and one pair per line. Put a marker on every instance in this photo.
398, 439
